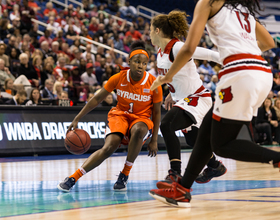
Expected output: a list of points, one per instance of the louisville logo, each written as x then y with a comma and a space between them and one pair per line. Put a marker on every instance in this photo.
225, 95
191, 100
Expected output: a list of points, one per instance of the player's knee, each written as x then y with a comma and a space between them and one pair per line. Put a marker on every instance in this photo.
139, 132
108, 150
164, 125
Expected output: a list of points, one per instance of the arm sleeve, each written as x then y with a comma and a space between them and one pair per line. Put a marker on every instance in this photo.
112, 82
157, 96
205, 54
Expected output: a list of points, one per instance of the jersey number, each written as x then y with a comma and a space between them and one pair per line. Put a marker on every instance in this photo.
130, 107
171, 88
247, 25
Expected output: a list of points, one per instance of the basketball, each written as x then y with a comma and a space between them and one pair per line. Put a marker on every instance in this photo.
77, 141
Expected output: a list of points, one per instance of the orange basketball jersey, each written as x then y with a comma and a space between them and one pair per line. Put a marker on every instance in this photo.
134, 97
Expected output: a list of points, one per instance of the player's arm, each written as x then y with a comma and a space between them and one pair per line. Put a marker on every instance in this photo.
156, 117
201, 15
264, 39
94, 101
201, 53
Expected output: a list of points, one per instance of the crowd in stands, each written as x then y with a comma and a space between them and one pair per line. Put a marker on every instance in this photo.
62, 64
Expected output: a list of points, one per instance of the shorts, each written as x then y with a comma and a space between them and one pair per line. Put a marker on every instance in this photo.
122, 122
197, 105
240, 94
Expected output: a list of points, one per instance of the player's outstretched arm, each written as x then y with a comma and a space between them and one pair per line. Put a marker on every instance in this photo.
156, 117
94, 101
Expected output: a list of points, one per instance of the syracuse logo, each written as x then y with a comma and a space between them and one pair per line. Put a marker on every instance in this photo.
225, 95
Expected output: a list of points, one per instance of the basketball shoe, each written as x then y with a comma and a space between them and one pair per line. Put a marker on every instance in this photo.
120, 185
67, 184
172, 176
210, 173
177, 195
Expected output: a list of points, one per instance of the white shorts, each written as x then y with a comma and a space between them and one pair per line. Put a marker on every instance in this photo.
197, 105
240, 94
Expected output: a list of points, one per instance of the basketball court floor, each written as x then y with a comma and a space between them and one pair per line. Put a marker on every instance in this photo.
28, 190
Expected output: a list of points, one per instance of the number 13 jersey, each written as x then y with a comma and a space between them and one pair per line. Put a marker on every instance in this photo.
239, 38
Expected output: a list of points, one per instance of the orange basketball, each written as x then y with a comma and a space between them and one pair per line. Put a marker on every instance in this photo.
77, 141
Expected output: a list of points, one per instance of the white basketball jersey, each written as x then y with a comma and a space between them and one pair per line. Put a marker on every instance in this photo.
239, 38
186, 81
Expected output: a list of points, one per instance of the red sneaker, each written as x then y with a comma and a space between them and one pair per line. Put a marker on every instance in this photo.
172, 176
276, 165
176, 196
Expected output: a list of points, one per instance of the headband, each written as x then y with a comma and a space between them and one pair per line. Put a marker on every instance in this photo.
139, 51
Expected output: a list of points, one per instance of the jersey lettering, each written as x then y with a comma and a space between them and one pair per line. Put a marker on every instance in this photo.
132, 96
162, 72
246, 26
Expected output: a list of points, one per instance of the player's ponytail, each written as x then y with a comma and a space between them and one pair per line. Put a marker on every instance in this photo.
172, 25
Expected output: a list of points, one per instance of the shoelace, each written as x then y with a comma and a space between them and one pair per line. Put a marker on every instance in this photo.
69, 183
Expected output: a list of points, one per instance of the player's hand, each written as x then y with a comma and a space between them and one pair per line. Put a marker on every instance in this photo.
168, 103
152, 148
158, 82
73, 125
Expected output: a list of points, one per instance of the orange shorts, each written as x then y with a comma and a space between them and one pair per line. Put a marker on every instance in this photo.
122, 122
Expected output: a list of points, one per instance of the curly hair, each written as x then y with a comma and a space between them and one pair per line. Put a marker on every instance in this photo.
172, 25
253, 6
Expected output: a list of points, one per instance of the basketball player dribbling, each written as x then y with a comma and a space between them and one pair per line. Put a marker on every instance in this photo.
193, 101
245, 82
129, 122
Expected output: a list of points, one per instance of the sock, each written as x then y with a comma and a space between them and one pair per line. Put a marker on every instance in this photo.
176, 165
78, 174
213, 163
127, 167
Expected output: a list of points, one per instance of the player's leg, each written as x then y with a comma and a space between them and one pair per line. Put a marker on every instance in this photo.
225, 144
199, 157
174, 120
112, 142
137, 133
214, 168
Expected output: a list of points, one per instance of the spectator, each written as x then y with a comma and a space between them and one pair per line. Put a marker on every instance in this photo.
18, 99
59, 38
48, 70
57, 72
49, 9
210, 72
38, 66
212, 85
108, 101
71, 34
1, 99
4, 73
128, 11
77, 55
88, 51
89, 78
46, 93
35, 98
11, 45
64, 96
4, 56
14, 61
4, 31
34, 5
9, 86
67, 81
57, 89
136, 35
266, 122
93, 12
33, 31
53, 26
46, 37
109, 71
93, 25
27, 70
15, 13
100, 70
27, 40
26, 14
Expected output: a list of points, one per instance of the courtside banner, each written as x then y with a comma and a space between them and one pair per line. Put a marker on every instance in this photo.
42, 129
